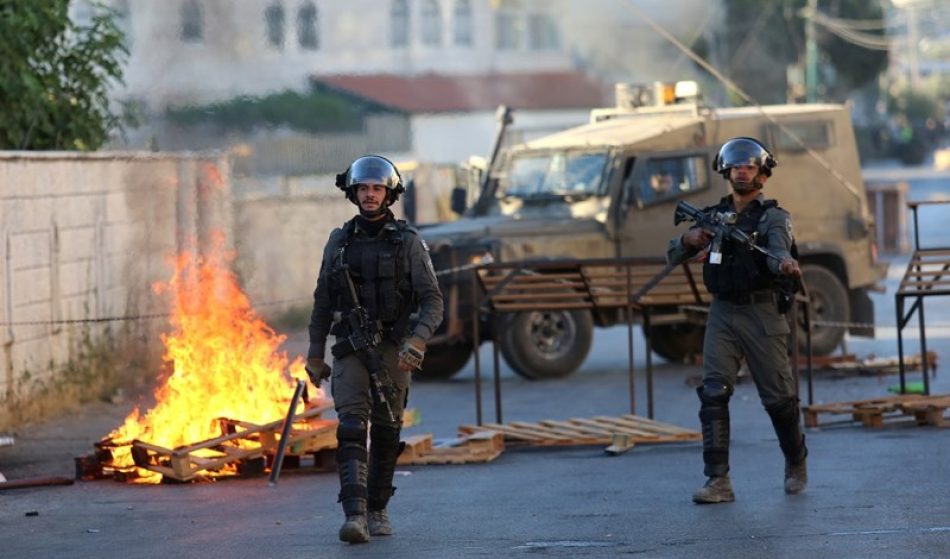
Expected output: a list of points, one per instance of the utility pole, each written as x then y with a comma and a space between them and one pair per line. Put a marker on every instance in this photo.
811, 54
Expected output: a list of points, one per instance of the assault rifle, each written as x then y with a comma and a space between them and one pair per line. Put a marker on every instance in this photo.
722, 225
363, 340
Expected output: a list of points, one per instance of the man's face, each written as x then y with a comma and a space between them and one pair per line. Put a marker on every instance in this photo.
371, 197
743, 178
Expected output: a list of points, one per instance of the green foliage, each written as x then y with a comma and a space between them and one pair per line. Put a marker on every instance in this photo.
55, 76
762, 37
914, 105
314, 111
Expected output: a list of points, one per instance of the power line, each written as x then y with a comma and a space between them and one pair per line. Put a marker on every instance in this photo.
865, 40
748, 99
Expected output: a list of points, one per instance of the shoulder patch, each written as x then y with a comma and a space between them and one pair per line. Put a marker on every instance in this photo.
424, 244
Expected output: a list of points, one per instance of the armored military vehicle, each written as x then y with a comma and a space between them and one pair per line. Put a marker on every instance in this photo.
609, 188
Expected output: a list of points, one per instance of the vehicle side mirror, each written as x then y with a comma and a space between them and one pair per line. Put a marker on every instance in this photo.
459, 199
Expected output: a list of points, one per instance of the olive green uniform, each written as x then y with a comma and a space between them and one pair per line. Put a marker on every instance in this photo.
748, 325
393, 275
754, 329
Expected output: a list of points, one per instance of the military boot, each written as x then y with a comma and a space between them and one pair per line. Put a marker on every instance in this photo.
385, 449
787, 422
351, 464
796, 477
379, 523
354, 529
717, 489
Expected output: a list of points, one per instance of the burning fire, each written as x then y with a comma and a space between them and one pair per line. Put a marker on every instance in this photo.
222, 361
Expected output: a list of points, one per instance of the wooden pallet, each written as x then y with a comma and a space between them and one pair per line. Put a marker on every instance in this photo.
926, 410
475, 448
620, 433
242, 442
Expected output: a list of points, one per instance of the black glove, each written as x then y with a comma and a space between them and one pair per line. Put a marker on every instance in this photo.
317, 370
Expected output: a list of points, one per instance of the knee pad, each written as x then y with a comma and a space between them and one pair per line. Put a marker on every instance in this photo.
351, 429
351, 438
783, 408
714, 393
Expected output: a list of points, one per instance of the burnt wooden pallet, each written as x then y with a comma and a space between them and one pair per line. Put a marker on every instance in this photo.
475, 448
621, 432
242, 442
926, 410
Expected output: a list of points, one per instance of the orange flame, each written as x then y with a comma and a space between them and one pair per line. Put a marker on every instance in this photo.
223, 361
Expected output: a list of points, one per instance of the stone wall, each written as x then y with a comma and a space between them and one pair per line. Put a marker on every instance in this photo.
83, 237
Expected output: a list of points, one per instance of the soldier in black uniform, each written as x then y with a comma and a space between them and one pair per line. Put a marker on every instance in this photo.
745, 319
392, 273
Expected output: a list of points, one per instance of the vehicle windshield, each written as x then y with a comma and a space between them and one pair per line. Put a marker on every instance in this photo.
555, 174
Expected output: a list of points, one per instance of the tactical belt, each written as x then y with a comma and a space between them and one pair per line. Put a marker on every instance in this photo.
747, 297
351, 344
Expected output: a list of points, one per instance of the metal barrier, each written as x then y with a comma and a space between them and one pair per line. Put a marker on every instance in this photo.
641, 286
927, 275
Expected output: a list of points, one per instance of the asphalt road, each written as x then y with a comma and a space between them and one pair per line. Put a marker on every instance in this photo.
880, 493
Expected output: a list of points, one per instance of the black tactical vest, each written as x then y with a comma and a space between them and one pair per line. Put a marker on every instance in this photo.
741, 270
380, 271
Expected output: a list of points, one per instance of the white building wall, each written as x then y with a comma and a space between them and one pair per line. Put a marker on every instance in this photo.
453, 137
234, 58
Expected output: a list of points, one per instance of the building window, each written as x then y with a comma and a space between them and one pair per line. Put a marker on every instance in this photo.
543, 32
431, 23
191, 27
399, 14
274, 17
307, 27
462, 22
509, 27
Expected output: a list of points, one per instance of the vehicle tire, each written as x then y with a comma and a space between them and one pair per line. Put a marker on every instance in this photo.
443, 361
829, 303
546, 344
677, 343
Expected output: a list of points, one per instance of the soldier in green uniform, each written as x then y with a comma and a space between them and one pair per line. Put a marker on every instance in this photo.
389, 265
744, 317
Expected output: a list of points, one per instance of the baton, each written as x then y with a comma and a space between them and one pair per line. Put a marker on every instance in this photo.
285, 434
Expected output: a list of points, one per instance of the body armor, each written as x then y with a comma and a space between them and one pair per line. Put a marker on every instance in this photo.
741, 270
379, 268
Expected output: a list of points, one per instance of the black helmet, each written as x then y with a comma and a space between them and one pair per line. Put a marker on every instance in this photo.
371, 169
743, 151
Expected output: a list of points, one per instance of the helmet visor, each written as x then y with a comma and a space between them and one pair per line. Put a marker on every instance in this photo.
372, 170
741, 152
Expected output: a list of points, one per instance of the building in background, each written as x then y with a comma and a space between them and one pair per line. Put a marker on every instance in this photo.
195, 53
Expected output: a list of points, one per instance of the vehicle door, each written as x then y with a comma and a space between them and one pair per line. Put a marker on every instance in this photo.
652, 185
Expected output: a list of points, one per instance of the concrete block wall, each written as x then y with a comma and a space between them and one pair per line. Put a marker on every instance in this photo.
280, 235
280, 238
82, 237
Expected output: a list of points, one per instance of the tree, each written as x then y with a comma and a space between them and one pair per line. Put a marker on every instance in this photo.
55, 76
764, 37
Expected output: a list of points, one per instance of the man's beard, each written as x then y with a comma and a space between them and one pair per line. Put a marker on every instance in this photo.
372, 214
743, 188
